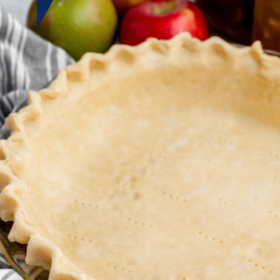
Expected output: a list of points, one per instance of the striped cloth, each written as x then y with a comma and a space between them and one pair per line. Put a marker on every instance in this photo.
27, 62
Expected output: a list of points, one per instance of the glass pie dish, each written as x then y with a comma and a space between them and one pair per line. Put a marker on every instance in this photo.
153, 162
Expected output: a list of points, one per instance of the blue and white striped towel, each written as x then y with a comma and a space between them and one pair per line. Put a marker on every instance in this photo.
27, 62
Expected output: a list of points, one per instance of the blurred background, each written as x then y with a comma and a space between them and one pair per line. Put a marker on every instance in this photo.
18, 8
237, 21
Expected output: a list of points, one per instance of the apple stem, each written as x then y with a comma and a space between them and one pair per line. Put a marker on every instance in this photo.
159, 9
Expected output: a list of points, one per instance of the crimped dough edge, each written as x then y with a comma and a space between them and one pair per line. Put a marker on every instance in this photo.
40, 251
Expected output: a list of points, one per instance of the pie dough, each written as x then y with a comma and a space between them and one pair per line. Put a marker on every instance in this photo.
155, 162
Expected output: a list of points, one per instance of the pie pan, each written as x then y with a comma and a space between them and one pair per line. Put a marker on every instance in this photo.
153, 162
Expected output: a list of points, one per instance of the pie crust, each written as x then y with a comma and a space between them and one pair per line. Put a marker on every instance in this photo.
160, 161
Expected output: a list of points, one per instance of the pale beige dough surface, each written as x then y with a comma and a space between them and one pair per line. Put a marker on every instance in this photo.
166, 173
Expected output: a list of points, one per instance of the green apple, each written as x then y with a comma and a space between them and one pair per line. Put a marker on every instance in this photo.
78, 26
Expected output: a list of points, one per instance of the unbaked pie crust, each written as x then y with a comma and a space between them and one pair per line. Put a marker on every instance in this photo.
155, 162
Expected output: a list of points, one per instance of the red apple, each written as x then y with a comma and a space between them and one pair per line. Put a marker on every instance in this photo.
162, 19
123, 5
